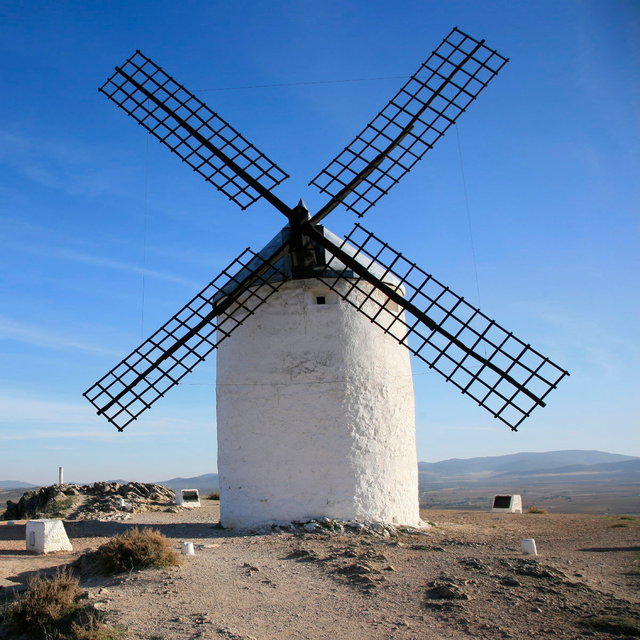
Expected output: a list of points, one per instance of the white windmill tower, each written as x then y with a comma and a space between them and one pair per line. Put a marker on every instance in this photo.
314, 393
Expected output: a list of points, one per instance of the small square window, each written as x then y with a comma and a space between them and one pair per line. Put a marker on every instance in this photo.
321, 300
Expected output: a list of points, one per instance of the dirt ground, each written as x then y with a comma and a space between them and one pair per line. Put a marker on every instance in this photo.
464, 577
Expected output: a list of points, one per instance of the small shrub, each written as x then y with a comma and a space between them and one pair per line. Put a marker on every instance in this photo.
214, 495
136, 549
534, 509
52, 609
617, 525
48, 604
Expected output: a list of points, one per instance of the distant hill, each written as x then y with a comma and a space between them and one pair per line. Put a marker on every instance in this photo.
15, 484
573, 466
205, 482
627, 472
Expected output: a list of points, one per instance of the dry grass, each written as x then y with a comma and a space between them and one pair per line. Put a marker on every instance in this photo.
136, 549
624, 521
57, 508
92, 629
214, 495
534, 509
52, 609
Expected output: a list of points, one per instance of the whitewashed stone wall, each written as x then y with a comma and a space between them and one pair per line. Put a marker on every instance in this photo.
315, 412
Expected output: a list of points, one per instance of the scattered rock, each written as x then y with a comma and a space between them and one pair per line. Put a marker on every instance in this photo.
425, 547
250, 568
533, 569
303, 555
225, 632
476, 565
357, 568
447, 588
510, 581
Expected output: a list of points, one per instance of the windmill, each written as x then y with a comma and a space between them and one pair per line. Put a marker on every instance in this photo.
315, 404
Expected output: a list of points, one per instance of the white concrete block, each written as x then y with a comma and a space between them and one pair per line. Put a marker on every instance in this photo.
528, 547
507, 504
45, 536
187, 549
188, 498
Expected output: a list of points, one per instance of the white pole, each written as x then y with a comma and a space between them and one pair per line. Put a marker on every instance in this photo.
60, 475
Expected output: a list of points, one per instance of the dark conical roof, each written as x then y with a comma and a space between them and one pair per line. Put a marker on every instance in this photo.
328, 266
325, 266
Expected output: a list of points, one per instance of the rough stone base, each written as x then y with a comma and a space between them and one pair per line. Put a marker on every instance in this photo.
340, 527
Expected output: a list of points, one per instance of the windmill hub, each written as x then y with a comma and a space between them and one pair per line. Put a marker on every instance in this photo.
314, 393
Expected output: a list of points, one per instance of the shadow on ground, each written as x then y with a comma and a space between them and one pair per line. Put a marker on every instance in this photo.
176, 530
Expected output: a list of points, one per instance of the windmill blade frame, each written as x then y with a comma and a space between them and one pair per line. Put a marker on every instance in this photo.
169, 354
190, 129
500, 372
409, 125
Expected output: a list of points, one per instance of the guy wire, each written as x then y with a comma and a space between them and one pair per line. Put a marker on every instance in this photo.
301, 83
466, 202
144, 234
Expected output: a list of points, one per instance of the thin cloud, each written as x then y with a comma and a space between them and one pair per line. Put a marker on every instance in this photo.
17, 408
62, 165
12, 227
53, 419
601, 348
498, 429
45, 434
76, 256
43, 337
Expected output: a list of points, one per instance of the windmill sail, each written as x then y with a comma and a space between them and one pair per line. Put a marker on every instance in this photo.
485, 361
500, 372
410, 124
172, 352
200, 137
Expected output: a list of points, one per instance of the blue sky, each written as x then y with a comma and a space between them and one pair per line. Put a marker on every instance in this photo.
91, 207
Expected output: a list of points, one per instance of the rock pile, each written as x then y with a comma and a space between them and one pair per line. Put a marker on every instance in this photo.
46, 501
99, 501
